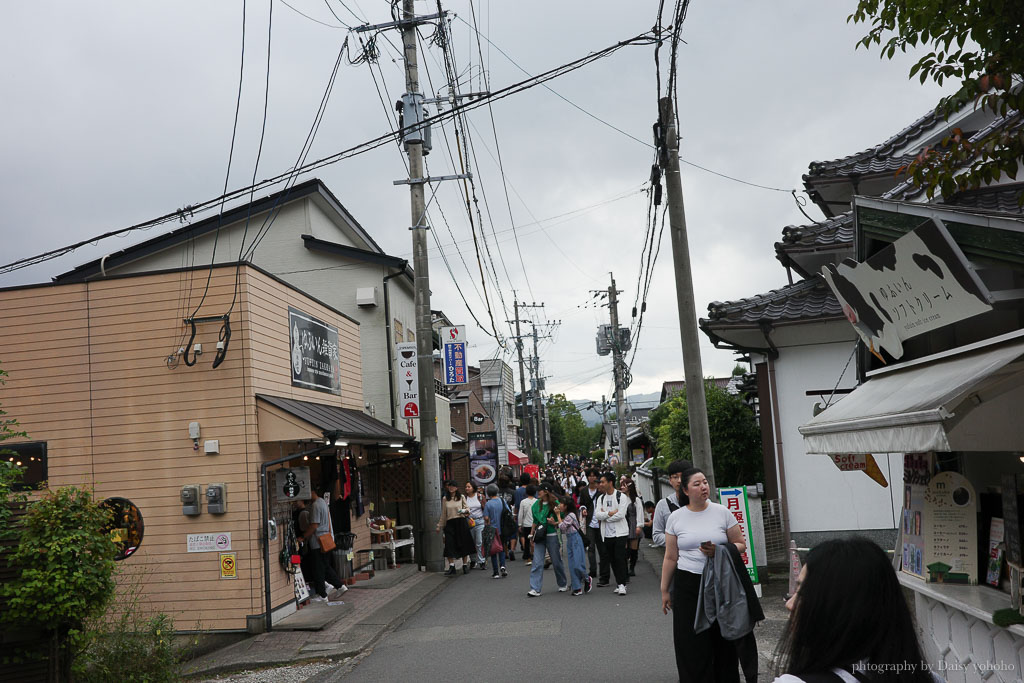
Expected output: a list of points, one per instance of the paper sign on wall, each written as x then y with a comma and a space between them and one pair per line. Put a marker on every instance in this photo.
228, 568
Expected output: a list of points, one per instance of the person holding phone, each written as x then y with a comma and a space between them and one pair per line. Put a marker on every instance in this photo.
692, 534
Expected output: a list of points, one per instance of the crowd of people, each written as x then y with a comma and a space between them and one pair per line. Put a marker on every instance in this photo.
599, 517
849, 621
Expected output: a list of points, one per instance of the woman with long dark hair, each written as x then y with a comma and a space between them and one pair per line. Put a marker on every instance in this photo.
635, 521
692, 534
848, 617
458, 541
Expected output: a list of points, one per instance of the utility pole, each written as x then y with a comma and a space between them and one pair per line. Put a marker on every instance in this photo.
696, 403
618, 364
534, 420
430, 465
522, 386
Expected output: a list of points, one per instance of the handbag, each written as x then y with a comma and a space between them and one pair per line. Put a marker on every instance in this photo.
540, 534
326, 542
471, 522
496, 545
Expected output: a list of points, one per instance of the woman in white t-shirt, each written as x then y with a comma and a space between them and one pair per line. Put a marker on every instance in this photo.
476, 513
692, 534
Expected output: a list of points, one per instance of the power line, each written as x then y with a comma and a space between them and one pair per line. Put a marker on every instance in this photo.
356, 150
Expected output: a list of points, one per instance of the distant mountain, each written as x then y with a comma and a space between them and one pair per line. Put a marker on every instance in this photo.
589, 409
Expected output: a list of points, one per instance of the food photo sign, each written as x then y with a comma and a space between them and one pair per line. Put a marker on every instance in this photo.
483, 457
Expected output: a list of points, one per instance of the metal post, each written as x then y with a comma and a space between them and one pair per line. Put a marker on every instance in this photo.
617, 364
431, 476
696, 404
529, 441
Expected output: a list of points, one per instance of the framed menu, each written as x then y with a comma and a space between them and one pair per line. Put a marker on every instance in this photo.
950, 535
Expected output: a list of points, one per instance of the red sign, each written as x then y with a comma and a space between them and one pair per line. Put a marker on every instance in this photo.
410, 409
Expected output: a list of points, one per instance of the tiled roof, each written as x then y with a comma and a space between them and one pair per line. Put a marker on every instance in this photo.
907, 190
809, 299
874, 159
836, 230
997, 198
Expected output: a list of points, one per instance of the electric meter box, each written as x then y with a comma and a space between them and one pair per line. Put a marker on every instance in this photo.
216, 498
190, 503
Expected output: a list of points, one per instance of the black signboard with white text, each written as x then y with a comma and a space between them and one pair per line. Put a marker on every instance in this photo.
314, 356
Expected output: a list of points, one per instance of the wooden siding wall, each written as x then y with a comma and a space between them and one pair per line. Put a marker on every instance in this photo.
89, 376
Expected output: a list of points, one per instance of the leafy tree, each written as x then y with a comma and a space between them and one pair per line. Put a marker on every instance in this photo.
738, 369
10, 474
569, 431
735, 437
981, 44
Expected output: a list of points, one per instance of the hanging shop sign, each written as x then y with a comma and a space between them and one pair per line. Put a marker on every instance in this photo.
478, 418
126, 526
408, 379
453, 335
483, 457
919, 283
735, 501
950, 530
860, 462
291, 483
315, 361
454, 360
208, 543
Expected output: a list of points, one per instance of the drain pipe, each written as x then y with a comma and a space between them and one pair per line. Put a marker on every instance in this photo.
265, 516
776, 427
388, 347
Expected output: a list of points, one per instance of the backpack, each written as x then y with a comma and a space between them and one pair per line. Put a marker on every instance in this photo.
672, 507
508, 522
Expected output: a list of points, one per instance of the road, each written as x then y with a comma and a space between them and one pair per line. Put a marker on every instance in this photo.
489, 630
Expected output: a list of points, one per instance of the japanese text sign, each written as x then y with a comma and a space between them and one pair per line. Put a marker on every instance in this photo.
455, 363
735, 501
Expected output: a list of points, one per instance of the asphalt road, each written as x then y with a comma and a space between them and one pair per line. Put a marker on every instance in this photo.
489, 630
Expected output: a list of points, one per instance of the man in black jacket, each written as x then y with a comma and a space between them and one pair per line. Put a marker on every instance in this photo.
596, 551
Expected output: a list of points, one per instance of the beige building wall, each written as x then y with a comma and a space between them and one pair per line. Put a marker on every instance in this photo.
89, 376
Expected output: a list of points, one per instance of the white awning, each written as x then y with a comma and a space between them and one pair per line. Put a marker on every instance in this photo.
963, 399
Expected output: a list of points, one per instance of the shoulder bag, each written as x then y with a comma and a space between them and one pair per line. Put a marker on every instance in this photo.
326, 541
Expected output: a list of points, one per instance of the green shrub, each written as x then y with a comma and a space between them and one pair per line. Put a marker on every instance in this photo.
128, 648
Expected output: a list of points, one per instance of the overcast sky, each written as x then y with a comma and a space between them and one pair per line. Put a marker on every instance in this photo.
118, 112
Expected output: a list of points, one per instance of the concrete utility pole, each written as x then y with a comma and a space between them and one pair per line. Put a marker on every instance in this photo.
617, 364
696, 404
522, 385
430, 467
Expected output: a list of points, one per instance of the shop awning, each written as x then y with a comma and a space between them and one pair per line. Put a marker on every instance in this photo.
517, 457
288, 419
964, 399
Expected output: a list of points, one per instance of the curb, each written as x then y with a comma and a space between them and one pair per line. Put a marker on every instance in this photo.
322, 651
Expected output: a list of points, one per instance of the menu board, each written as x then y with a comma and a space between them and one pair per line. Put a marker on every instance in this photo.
950, 536
917, 469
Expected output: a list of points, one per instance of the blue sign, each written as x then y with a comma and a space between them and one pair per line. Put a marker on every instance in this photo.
455, 363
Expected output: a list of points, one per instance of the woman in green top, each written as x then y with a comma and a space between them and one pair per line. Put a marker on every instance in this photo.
544, 518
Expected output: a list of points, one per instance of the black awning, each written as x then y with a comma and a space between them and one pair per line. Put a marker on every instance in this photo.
339, 422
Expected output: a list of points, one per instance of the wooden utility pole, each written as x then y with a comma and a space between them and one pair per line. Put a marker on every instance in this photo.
618, 364
696, 403
430, 467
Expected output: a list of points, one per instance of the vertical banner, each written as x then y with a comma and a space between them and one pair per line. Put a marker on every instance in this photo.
408, 379
483, 457
453, 354
917, 472
735, 501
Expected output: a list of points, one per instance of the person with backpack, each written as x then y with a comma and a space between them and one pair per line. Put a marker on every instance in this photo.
595, 552
610, 510
494, 510
669, 504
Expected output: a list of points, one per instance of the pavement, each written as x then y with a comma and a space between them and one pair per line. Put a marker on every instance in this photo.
325, 631
491, 630
391, 627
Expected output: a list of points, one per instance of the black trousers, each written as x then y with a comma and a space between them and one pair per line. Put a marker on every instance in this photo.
321, 570
595, 555
704, 657
615, 556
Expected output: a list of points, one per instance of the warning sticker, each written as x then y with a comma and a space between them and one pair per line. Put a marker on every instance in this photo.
228, 569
